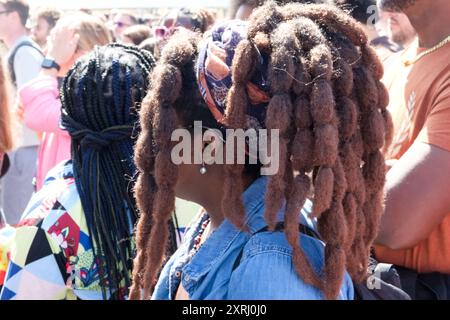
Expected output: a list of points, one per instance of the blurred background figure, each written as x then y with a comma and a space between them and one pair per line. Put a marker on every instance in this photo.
6, 134
24, 60
121, 21
112, 14
74, 36
136, 34
86, 10
5, 115
24, 56
399, 29
374, 23
242, 9
365, 12
199, 20
148, 20
149, 45
43, 21
192, 19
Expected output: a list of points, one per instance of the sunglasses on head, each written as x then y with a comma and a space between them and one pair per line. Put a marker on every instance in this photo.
162, 32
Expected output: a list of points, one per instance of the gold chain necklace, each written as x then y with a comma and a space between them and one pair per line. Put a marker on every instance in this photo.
431, 50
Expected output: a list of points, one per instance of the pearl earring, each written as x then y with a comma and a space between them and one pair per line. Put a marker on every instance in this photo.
203, 169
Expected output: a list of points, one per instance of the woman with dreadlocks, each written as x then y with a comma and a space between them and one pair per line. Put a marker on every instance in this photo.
308, 71
75, 238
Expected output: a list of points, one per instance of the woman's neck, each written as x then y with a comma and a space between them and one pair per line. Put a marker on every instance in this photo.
14, 35
214, 209
212, 202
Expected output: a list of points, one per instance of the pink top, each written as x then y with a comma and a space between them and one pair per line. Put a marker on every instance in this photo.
42, 112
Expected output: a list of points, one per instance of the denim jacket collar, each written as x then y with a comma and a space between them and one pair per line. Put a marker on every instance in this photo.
221, 239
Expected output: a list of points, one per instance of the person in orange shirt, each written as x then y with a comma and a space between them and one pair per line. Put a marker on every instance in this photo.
415, 228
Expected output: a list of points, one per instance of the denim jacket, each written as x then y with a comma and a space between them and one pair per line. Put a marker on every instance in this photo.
265, 271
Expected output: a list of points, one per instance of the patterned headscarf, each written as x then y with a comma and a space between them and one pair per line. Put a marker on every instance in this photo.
214, 73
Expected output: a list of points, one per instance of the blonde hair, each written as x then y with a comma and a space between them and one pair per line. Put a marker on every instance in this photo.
91, 29
6, 140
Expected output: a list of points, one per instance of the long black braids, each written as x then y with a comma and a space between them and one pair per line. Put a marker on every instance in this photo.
101, 97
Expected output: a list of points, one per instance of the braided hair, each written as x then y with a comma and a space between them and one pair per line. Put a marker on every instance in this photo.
326, 99
101, 97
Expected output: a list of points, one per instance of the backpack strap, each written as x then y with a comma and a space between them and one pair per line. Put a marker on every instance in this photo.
12, 56
301, 228
278, 227
4, 164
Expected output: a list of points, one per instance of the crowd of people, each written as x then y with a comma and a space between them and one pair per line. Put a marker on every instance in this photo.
357, 91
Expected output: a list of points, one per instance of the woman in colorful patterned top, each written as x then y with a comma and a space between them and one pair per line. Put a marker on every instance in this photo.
306, 71
75, 237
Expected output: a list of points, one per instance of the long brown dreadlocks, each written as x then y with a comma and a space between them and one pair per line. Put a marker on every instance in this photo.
330, 107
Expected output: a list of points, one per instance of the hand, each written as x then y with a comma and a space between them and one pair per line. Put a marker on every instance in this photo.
62, 44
